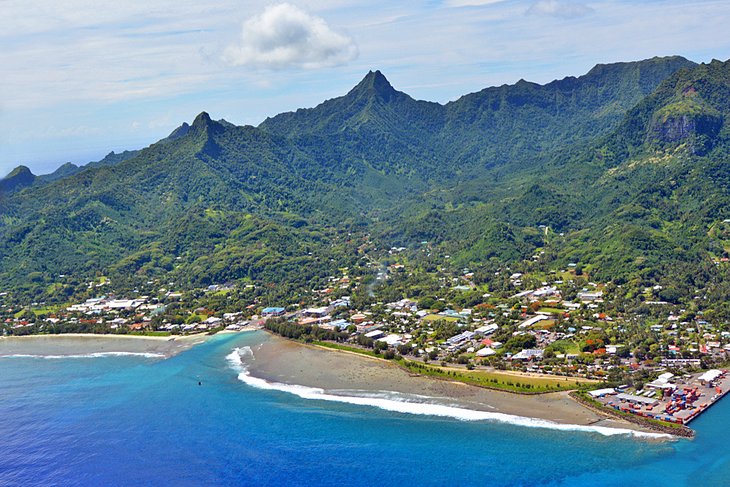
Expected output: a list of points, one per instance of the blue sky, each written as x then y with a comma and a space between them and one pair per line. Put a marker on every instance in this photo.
84, 77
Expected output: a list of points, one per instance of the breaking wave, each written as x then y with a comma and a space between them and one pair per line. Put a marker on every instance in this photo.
87, 355
395, 402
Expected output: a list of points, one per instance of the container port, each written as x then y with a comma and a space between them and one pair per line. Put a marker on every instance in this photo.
674, 399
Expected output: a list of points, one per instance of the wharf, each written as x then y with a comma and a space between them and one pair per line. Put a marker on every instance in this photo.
720, 391
680, 401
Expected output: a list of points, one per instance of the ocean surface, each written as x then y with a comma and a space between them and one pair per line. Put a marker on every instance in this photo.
125, 419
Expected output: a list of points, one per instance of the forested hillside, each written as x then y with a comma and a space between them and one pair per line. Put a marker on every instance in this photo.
623, 170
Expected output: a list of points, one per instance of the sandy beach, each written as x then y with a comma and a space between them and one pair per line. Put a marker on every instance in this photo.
284, 361
83, 344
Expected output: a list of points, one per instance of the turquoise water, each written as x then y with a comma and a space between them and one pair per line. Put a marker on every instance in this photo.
122, 420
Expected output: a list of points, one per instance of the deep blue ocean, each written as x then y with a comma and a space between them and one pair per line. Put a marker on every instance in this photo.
129, 420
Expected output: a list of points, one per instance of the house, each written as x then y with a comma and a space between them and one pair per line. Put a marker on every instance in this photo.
343, 302
544, 292
358, 318
460, 338
586, 296
531, 321
124, 303
673, 362
311, 320
528, 354
340, 324
268, 312
402, 304
487, 330
316, 312
451, 314
488, 342
391, 340
375, 334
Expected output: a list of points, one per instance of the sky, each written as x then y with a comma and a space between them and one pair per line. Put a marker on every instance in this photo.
81, 78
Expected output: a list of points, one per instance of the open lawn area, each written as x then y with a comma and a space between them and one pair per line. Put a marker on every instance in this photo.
543, 325
509, 381
565, 346
554, 311
439, 318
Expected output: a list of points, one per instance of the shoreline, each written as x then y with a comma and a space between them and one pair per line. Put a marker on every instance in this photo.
507, 374
643, 423
77, 345
679, 431
103, 335
279, 362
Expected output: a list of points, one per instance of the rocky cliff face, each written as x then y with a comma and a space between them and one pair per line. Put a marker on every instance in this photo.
697, 130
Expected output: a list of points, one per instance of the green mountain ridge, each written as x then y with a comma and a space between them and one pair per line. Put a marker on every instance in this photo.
660, 183
21, 177
627, 163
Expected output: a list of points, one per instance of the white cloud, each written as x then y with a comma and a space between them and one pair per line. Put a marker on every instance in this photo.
470, 3
285, 36
559, 8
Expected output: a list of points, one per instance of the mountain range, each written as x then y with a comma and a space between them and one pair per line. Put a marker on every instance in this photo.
623, 170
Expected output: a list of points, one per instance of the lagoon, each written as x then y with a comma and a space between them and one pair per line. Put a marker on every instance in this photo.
128, 419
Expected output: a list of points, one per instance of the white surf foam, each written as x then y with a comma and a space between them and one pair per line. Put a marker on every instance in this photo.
417, 408
87, 355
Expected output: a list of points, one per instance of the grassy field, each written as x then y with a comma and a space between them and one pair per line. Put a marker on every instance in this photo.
221, 292
345, 348
151, 333
501, 380
554, 311
439, 318
543, 325
47, 310
566, 346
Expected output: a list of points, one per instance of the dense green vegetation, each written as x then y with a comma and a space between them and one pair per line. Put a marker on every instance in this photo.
21, 177
622, 171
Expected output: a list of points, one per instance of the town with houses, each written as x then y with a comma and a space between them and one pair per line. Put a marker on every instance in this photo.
658, 365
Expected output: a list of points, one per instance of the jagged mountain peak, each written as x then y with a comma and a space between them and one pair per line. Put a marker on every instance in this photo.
180, 131
20, 171
375, 83
71, 165
19, 178
201, 120
479, 175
